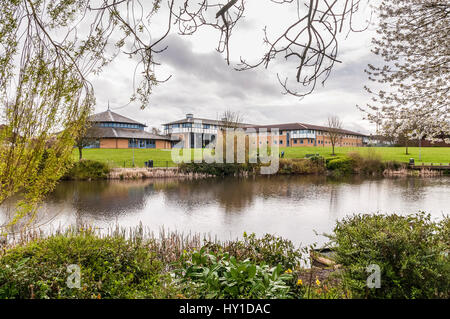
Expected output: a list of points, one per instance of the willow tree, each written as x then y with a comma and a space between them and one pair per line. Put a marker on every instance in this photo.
50, 50
46, 60
414, 41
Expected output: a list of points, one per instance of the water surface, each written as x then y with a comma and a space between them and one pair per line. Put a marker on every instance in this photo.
291, 206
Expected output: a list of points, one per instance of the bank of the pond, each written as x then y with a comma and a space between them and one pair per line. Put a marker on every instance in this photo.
336, 166
412, 258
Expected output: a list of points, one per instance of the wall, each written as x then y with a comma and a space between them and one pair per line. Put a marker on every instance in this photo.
162, 144
113, 143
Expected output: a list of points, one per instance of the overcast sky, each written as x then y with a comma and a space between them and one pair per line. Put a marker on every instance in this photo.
203, 84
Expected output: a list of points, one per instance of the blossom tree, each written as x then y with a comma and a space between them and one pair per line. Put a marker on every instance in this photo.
414, 42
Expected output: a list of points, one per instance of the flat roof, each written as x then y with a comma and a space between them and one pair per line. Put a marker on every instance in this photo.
302, 126
203, 121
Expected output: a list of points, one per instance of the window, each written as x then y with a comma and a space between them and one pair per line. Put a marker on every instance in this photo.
187, 125
281, 141
206, 126
150, 144
301, 141
295, 141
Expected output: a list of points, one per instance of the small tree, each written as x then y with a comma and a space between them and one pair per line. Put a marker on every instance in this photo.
156, 131
231, 119
333, 129
87, 135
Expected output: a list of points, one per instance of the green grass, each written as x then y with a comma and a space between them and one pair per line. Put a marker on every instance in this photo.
124, 157
162, 158
429, 154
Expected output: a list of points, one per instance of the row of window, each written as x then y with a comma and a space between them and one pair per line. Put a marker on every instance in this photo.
141, 143
194, 125
313, 132
120, 125
311, 141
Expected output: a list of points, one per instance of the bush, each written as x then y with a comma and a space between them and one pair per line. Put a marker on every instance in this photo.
111, 267
313, 165
394, 165
218, 169
269, 249
87, 170
223, 276
411, 251
367, 165
341, 166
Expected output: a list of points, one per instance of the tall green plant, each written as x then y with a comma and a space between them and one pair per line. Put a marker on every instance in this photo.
411, 252
223, 276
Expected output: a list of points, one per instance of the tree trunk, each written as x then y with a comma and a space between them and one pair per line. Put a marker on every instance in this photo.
332, 146
406, 147
80, 152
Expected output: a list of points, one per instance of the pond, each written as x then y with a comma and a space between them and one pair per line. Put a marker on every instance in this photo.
294, 207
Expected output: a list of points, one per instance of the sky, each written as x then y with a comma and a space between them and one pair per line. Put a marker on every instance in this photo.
203, 84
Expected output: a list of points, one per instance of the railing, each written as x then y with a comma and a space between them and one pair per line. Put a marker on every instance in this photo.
190, 130
431, 166
141, 163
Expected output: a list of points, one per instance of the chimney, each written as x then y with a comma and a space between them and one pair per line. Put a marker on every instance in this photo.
189, 115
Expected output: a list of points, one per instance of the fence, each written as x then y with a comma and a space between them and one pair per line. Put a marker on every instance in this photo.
129, 163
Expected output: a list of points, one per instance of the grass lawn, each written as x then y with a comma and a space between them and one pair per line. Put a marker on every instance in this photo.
429, 154
124, 157
162, 158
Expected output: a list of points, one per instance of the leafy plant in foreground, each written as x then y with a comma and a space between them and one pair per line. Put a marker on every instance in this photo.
411, 251
223, 276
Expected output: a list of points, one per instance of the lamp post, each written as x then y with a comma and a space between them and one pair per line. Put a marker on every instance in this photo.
420, 147
134, 141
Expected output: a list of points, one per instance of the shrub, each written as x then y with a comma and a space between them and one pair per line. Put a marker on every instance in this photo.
394, 165
411, 251
111, 267
223, 276
217, 169
367, 165
269, 249
341, 166
313, 165
87, 169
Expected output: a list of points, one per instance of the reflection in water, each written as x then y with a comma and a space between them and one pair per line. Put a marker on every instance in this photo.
290, 206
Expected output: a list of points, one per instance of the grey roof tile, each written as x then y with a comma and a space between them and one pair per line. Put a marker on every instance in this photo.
109, 116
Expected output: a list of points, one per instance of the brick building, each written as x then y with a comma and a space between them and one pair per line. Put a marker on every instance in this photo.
111, 130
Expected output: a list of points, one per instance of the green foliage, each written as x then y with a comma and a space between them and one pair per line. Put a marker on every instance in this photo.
218, 169
87, 170
269, 249
341, 166
312, 165
370, 164
223, 276
394, 165
411, 251
111, 267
